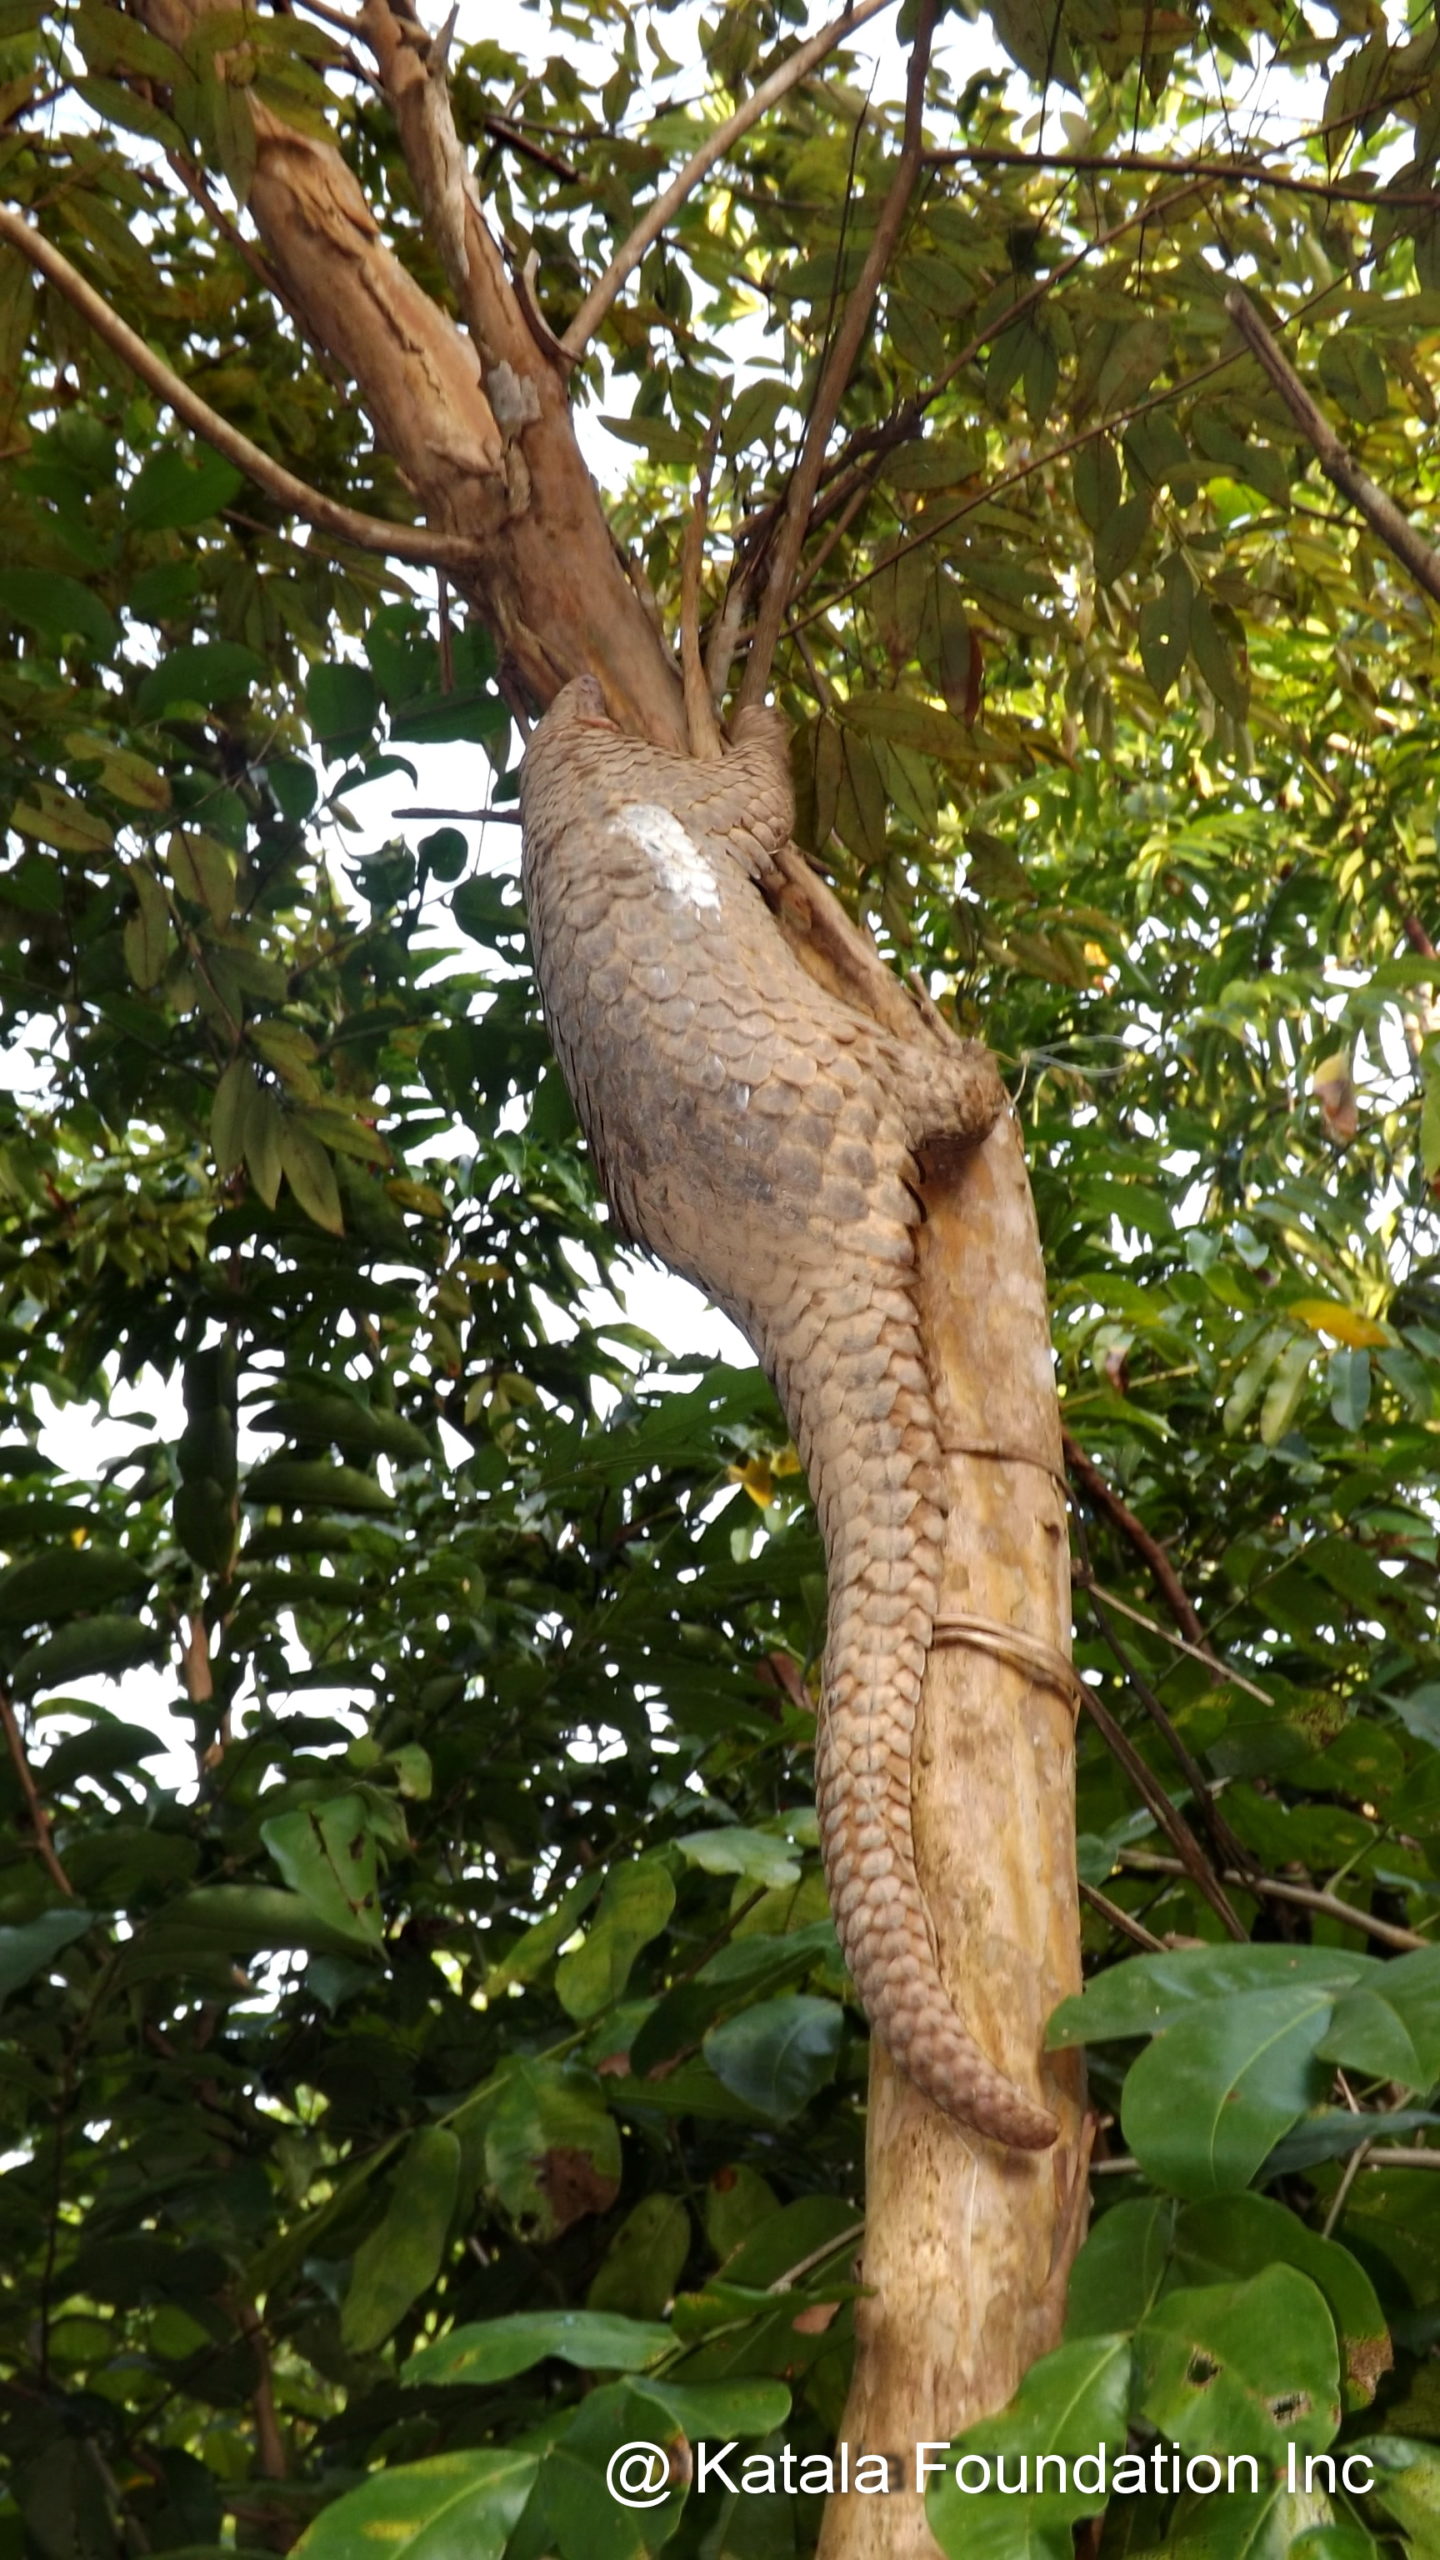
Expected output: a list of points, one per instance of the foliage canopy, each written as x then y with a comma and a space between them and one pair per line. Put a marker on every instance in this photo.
454, 2074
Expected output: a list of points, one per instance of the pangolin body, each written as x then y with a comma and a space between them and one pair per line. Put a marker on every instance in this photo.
759, 1134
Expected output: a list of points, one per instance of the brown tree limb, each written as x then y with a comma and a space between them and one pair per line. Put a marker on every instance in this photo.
1191, 1860
839, 365
1106, 1499
1339, 466
1306, 1897
1247, 172
327, 515
655, 217
1086, 1581
1124, 1921
34, 1805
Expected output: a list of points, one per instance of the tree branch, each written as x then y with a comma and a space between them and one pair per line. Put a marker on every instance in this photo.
1307, 1897
655, 217
984, 155
1191, 1860
1340, 468
326, 515
1106, 1499
39, 1818
855, 320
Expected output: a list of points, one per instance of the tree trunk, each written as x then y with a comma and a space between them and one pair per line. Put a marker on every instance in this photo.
967, 2245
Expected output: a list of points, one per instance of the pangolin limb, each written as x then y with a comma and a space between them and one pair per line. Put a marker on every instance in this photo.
759, 1134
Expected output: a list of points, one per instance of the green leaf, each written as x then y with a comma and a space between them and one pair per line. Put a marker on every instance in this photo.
1119, 539
1253, 2367
637, 1902
402, 2257
311, 1485
1212, 2095
1286, 1391
33, 1947
495, 2350
776, 2055
1072, 2405
455, 2506
58, 607
203, 672
738, 1852
174, 488
76, 1652
1389, 2026
326, 1853
1146, 1993
552, 2152
58, 818
311, 1176
147, 933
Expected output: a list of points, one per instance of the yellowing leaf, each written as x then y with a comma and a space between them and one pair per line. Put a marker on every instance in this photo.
1343, 1324
755, 1476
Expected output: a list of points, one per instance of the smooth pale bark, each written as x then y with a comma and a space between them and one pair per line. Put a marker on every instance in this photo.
967, 2246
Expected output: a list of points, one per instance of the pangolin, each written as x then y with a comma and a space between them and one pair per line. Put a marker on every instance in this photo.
759, 1133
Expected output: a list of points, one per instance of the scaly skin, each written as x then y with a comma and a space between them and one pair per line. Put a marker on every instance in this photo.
758, 1134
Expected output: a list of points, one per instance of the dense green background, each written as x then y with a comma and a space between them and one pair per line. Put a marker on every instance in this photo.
517, 2012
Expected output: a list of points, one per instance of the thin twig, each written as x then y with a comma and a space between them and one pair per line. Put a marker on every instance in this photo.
1307, 1897
1214, 1664
652, 222
39, 1818
984, 155
1340, 468
326, 515
1191, 1860
1124, 1921
500, 130
839, 365
1106, 1499
470, 817
1222, 1839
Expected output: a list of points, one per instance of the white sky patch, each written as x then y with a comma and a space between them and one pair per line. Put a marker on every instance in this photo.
678, 862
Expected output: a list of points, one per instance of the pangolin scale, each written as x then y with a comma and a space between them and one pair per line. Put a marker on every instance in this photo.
759, 1134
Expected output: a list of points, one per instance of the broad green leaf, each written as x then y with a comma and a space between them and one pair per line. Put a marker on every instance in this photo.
776, 2055
58, 818
175, 488
45, 600
634, 1908
1389, 2026
311, 1176
207, 672
31, 1948
1212, 2094
326, 1853
105, 1643
1253, 2367
494, 2350
995, 2494
1145, 1993
552, 2151
400, 2259
738, 1852
453, 2506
